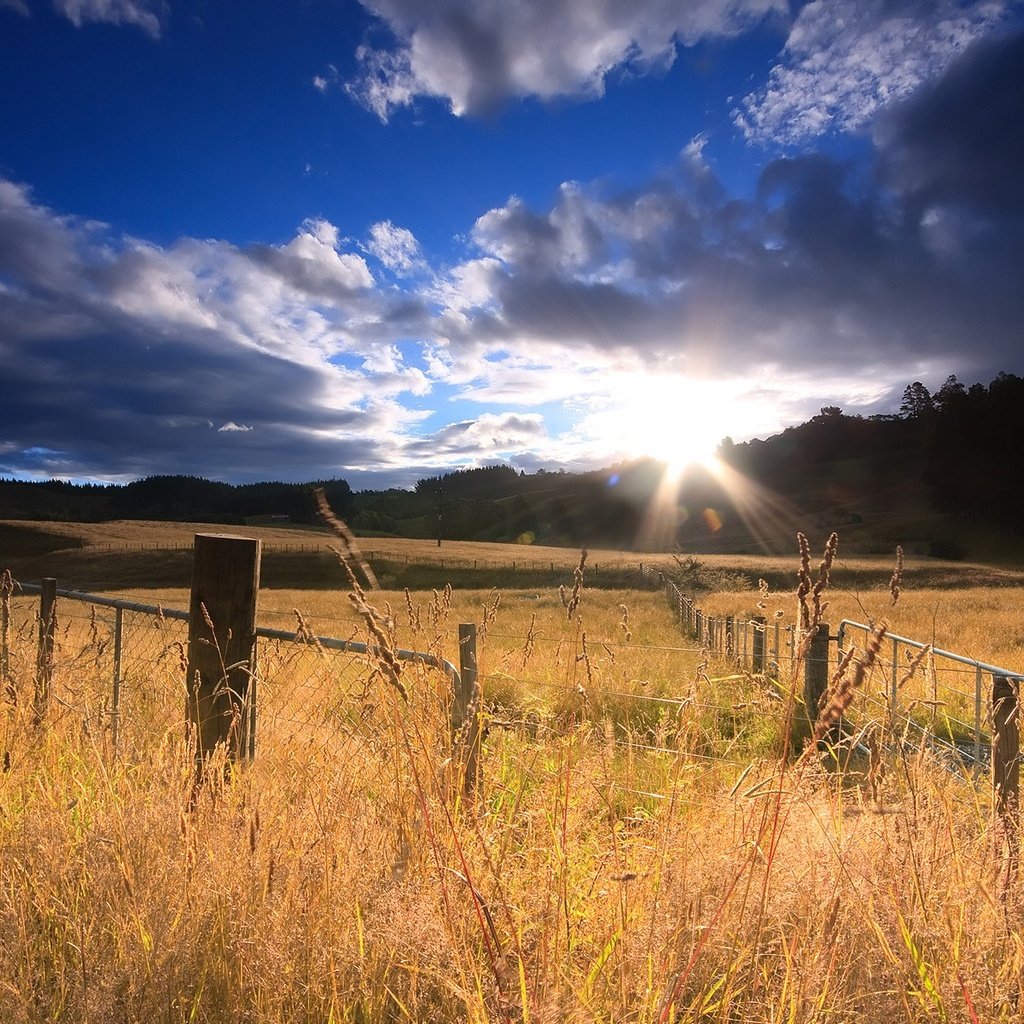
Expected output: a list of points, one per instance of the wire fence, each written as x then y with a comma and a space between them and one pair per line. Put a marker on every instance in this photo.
921, 694
121, 667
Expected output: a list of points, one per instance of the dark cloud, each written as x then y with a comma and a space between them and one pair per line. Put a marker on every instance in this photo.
962, 141
476, 56
121, 358
914, 262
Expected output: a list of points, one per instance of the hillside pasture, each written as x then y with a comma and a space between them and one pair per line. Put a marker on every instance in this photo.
639, 848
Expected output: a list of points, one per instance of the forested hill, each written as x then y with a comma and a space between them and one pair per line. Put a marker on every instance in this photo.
945, 476
171, 498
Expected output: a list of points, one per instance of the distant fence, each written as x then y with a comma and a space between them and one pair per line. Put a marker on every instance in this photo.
963, 725
637, 569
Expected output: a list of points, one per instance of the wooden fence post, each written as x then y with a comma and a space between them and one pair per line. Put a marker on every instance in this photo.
6, 589
730, 636
1006, 765
466, 708
221, 639
760, 639
816, 680
44, 654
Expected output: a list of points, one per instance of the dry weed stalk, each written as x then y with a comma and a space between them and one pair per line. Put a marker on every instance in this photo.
349, 554
840, 696
490, 613
897, 575
627, 633
584, 656
383, 651
915, 664
577, 586
531, 639
876, 763
412, 612
6, 589
809, 590
440, 607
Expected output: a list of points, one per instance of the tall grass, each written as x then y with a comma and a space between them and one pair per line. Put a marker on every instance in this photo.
343, 877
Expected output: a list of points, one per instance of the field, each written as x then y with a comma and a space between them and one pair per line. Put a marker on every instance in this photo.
642, 846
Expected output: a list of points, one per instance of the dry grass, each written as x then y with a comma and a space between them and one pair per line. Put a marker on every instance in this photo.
340, 876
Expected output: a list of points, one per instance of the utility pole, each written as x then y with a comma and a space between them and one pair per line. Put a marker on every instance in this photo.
440, 496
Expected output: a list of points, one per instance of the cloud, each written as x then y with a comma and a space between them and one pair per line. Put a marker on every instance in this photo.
312, 262
147, 15
828, 271
119, 356
477, 55
18, 6
396, 248
832, 283
846, 60
487, 436
962, 143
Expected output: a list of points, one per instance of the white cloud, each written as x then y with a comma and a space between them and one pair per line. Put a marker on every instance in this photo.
396, 248
267, 342
845, 60
477, 53
315, 263
18, 6
487, 436
144, 14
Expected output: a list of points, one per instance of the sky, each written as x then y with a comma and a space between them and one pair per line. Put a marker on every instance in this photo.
379, 239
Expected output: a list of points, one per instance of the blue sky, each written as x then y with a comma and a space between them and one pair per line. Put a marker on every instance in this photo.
381, 239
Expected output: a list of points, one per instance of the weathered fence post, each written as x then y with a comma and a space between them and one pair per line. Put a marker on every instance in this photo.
816, 679
6, 589
760, 641
977, 722
115, 713
44, 655
730, 636
221, 640
1006, 765
466, 708
698, 628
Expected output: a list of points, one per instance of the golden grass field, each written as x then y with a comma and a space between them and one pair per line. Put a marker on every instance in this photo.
343, 875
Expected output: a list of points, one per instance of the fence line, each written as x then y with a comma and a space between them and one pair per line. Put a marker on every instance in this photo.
759, 646
126, 648
755, 645
262, 632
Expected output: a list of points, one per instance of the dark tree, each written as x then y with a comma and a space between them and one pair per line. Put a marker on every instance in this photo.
917, 401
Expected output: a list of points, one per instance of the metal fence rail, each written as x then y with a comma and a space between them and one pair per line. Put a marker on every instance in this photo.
301, 684
953, 718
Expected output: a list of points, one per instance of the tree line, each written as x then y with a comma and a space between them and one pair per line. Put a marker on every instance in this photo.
960, 445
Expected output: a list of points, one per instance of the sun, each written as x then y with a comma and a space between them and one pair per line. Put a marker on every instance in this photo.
679, 422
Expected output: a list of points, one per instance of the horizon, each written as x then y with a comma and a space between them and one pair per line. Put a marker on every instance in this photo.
380, 242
